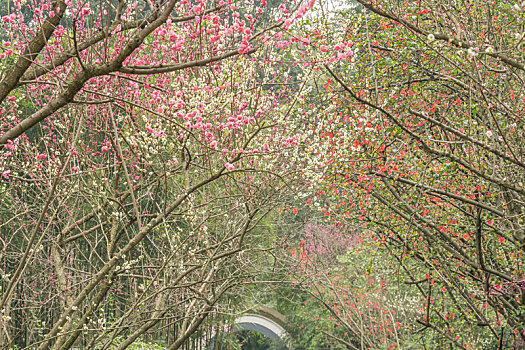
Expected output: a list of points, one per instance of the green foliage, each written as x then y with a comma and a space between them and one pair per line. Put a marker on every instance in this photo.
246, 340
137, 345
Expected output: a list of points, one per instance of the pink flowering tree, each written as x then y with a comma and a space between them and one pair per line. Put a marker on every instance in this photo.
325, 242
139, 151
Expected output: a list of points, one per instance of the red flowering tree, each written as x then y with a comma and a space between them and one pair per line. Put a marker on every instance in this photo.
420, 138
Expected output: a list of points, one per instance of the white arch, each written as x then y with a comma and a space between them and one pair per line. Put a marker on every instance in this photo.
262, 325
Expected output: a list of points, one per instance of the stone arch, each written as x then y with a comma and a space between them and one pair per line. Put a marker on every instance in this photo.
264, 320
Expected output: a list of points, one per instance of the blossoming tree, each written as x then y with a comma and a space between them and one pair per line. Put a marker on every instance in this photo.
139, 151
423, 143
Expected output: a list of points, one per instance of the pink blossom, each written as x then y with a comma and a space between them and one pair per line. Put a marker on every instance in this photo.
229, 166
213, 144
104, 149
86, 11
6, 173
